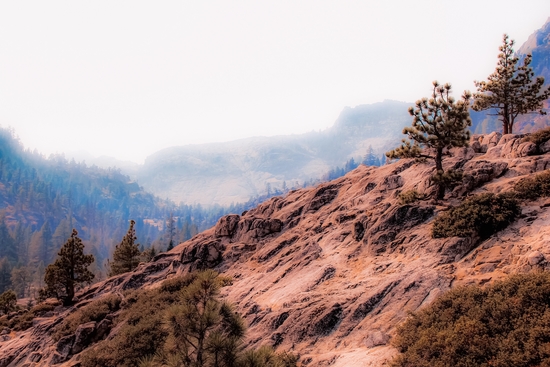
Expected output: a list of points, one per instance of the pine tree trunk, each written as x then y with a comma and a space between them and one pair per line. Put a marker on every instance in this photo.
506, 127
70, 294
439, 168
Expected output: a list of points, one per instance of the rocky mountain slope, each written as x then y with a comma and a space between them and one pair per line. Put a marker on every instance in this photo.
222, 173
328, 272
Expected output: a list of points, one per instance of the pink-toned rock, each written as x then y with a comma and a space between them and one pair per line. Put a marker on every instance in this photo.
494, 152
525, 149
535, 258
392, 182
505, 139
63, 348
376, 338
466, 153
544, 147
510, 145
489, 141
329, 272
83, 336
227, 226
476, 146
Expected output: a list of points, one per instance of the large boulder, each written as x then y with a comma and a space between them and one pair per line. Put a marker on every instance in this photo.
227, 226
489, 141
83, 336
63, 349
251, 228
204, 254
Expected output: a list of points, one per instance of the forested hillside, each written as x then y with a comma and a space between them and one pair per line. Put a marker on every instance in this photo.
41, 200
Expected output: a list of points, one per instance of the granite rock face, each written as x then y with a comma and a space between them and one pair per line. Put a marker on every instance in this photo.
328, 272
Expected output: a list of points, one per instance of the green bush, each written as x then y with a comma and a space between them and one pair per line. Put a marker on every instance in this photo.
480, 215
163, 327
24, 320
533, 187
132, 343
176, 284
409, 197
267, 357
41, 308
8, 301
538, 137
143, 331
95, 311
504, 325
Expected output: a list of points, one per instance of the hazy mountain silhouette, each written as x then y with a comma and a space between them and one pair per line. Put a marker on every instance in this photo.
221, 173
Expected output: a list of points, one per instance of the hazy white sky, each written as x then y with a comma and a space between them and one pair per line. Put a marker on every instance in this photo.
127, 78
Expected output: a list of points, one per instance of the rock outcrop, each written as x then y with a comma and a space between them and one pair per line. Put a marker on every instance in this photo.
328, 272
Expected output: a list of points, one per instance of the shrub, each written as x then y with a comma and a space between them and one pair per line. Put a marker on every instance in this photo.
95, 311
165, 326
43, 307
21, 322
409, 197
504, 325
176, 284
129, 346
533, 187
267, 357
480, 215
8, 301
538, 137
24, 320
142, 332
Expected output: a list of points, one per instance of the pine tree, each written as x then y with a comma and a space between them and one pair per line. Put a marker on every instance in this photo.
511, 90
21, 279
45, 244
7, 243
370, 158
186, 231
170, 231
206, 330
5, 274
126, 254
61, 233
170, 245
8, 301
438, 123
68, 271
22, 239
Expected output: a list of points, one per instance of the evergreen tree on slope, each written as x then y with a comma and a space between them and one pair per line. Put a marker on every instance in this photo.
69, 270
511, 90
126, 255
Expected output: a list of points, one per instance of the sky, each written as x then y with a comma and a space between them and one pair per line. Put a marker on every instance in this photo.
128, 78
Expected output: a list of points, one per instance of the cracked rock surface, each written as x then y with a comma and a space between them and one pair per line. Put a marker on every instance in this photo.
328, 272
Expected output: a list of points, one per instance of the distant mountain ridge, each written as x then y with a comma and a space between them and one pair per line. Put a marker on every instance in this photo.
222, 173
235, 171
